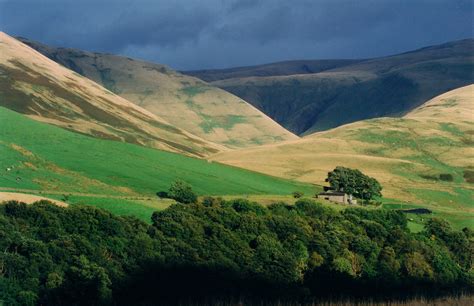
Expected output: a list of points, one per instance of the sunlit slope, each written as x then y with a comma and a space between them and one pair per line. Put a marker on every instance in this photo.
424, 158
34, 85
185, 102
38, 156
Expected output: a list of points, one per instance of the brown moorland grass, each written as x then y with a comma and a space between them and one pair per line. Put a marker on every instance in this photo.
410, 156
184, 101
32, 84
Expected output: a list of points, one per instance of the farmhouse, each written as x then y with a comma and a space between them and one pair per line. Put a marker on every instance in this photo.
337, 197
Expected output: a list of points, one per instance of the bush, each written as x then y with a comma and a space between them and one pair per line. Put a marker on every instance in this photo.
297, 194
162, 194
182, 192
446, 177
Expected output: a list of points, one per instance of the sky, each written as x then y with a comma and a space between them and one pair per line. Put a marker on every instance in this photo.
204, 34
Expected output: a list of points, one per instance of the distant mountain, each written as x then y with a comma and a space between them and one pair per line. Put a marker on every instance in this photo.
272, 69
388, 86
34, 85
423, 159
183, 101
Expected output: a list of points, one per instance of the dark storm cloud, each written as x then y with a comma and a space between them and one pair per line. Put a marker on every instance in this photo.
191, 34
106, 25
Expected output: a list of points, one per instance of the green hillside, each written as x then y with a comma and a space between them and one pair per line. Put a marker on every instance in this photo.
51, 158
37, 156
388, 86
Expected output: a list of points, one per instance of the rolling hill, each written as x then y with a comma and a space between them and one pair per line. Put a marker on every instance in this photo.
34, 85
42, 158
424, 159
183, 101
389, 86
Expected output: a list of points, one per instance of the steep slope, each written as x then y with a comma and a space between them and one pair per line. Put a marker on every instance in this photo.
389, 86
272, 69
185, 102
46, 91
38, 156
425, 158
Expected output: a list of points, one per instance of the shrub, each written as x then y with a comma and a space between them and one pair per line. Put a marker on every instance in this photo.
469, 176
446, 177
297, 194
162, 194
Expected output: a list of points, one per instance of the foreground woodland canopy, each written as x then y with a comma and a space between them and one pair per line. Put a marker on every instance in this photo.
224, 250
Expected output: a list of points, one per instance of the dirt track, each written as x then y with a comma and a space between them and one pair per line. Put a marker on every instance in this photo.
27, 198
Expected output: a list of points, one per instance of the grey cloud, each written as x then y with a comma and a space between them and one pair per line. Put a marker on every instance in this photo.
189, 34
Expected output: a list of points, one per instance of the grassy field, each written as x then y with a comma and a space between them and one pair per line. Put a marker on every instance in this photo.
423, 160
140, 207
143, 207
37, 156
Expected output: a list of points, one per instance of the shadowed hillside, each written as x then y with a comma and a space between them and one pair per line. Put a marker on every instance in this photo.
183, 101
422, 160
388, 86
272, 69
45, 91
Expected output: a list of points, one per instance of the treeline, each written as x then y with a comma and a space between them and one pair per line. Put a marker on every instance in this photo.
224, 250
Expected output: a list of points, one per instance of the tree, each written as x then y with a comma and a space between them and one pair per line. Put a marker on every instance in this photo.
222, 249
417, 267
182, 192
354, 182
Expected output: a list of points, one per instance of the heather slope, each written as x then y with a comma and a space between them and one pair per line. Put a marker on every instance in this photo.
424, 159
183, 101
34, 85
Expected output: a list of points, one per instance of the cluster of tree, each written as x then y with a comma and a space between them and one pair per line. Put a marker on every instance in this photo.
354, 182
223, 249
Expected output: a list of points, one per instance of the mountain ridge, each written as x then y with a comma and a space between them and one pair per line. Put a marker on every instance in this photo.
186, 102
32, 84
280, 68
386, 86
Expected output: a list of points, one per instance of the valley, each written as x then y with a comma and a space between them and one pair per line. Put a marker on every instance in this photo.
301, 182
185, 102
316, 100
126, 178
422, 159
